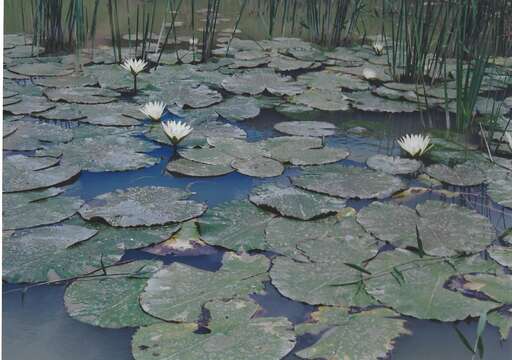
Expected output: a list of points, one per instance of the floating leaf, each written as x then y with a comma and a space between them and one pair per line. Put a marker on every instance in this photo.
177, 292
292, 202
235, 333
349, 182
143, 206
393, 165
112, 301
498, 288
192, 168
29, 105
227, 225
306, 128
257, 81
81, 95
323, 99
466, 174
41, 69
502, 319
191, 95
341, 333
258, 166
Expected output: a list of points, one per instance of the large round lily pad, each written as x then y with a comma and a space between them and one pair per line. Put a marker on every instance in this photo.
29, 105
498, 288
238, 108
341, 333
257, 81
390, 222
81, 95
414, 286
237, 225
306, 128
327, 252
31, 135
35, 212
323, 99
193, 168
393, 165
349, 182
112, 301
292, 202
448, 229
41, 69
177, 292
327, 80
466, 174
143, 206
500, 189
18, 178
191, 95
258, 166
326, 155
235, 332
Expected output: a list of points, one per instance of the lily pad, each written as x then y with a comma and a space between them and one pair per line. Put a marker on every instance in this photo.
448, 229
501, 254
31, 135
177, 292
63, 112
66, 81
419, 289
238, 108
227, 225
292, 202
312, 282
28, 163
191, 95
502, 319
235, 332
143, 206
466, 174
257, 81
258, 166
500, 189
81, 95
30, 105
366, 101
390, 222
32, 213
208, 156
349, 182
341, 333
112, 301
41, 69
326, 155
17, 177
193, 168
498, 288
323, 99
306, 128
328, 80
36, 256
394, 165
284, 63
108, 153
184, 242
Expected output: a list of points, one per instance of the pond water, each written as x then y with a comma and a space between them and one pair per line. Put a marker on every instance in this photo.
36, 323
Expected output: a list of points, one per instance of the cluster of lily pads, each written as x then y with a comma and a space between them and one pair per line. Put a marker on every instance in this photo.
365, 271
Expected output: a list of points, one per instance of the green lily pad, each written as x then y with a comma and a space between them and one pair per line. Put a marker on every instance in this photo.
143, 206
72, 81
292, 202
283, 148
17, 177
390, 222
112, 301
466, 174
394, 165
184, 242
227, 225
306, 128
81, 95
498, 288
349, 182
448, 229
193, 168
177, 292
41, 69
419, 289
502, 319
31, 135
258, 166
191, 95
501, 254
209, 156
323, 99
326, 155
29, 105
341, 333
257, 81
366, 101
284, 63
28, 163
108, 153
235, 333
238, 148
24, 51
238, 108
112, 114
63, 112
500, 189
327, 80
311, 282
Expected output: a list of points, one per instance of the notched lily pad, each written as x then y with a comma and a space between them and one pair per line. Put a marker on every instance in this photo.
30, 105
177, 292
292, 202
466, 174
193, 168
306, 128
257, 81
323, 99
42, 69
394, 165
258, 166
81, 95
143, 206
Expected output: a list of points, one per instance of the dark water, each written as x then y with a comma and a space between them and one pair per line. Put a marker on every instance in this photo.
36, 325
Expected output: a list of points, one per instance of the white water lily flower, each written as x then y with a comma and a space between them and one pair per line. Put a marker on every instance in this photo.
176, 130
378, 48
153, 110
415, 145
509, 139
369, 74
134, 66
